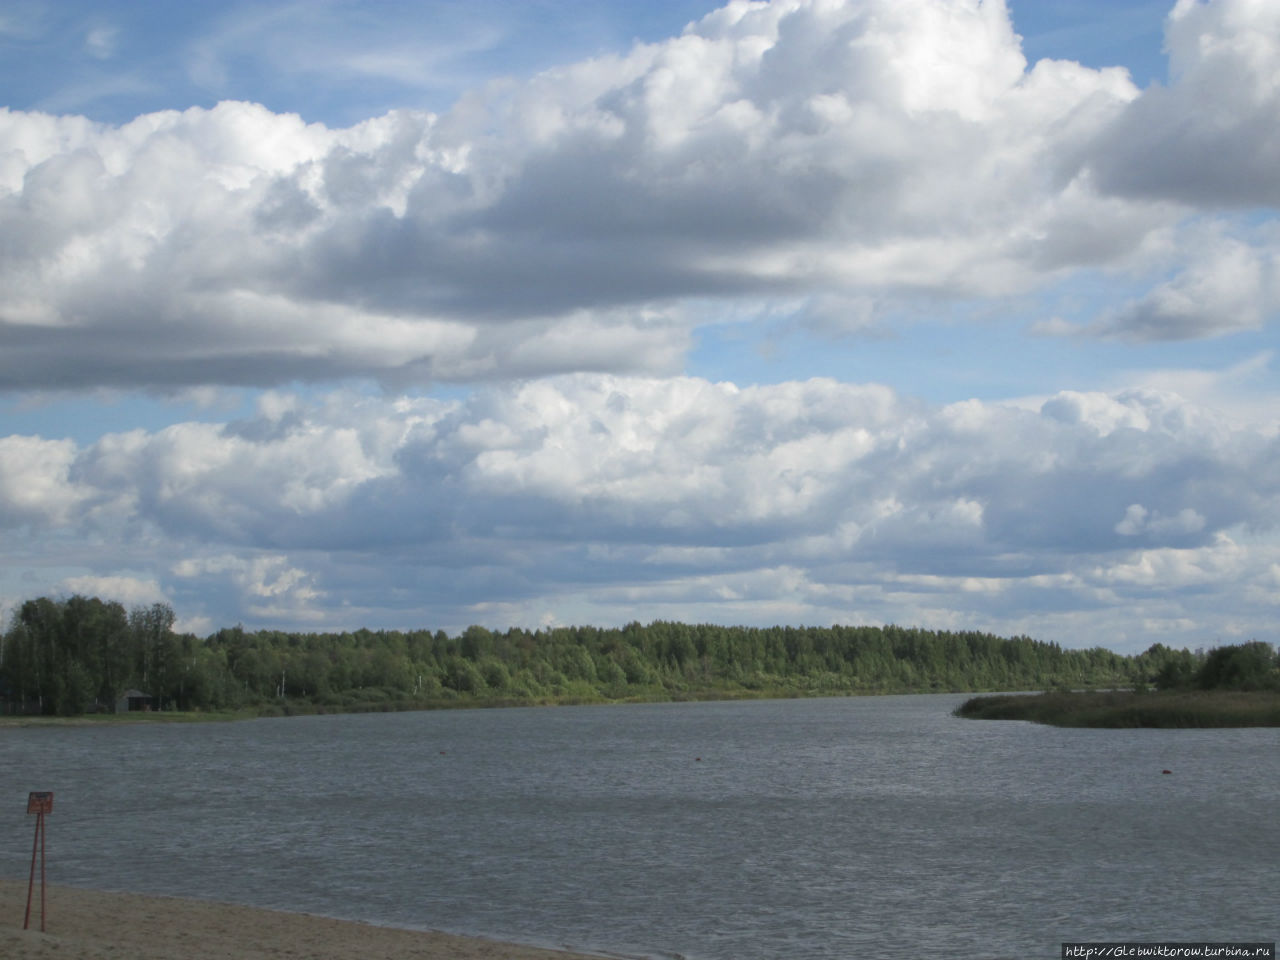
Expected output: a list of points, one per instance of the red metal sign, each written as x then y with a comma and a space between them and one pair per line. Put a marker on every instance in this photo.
40, 802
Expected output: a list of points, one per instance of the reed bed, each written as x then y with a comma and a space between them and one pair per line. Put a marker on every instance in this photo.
1116, 708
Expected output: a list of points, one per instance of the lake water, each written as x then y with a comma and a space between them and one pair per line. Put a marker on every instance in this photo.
877, 827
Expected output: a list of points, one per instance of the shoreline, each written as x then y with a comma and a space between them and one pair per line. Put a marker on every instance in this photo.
292, 711
84, 924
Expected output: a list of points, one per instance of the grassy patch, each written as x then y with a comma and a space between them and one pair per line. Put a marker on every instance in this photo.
137, 716
380, 701
1175, 708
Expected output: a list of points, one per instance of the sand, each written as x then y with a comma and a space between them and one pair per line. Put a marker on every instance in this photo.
91, 925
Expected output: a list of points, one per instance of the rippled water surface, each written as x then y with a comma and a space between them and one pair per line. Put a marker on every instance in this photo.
869, 827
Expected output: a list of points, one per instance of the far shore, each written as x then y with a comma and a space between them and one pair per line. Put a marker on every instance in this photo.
303, 708
94, 925
1128, 709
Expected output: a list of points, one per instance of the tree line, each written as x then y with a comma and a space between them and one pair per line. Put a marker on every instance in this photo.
76, 655
1245, 666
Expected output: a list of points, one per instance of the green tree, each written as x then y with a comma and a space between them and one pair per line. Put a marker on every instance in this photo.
1246, 666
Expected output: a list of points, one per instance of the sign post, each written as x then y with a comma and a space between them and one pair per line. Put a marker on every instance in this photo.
39, 803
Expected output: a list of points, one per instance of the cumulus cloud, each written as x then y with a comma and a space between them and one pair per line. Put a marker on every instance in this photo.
815, 497
835, 166
1241, 391
1210, 138
36, 487
1138, 520
1230, 287
268, 585
827, 150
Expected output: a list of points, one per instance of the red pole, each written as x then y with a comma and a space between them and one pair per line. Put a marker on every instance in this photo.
39, 803
40, 827
26, 920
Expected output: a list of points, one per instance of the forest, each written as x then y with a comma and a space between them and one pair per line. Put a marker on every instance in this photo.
79, 655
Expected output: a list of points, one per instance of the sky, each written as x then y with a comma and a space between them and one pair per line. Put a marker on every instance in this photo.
959, 314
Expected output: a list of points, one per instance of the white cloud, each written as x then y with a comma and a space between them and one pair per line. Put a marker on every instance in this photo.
834, 166
224, 480
1138, 520
599, 493
36, 486
1100, 412
834, 151
1168, 569
1230, 287
129, 591
269, 587
100, 42
1209, 138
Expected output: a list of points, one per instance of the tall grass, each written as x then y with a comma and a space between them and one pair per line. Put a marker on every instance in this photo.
1176, 708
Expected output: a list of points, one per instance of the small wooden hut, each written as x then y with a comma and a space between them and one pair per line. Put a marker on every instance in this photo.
132, 700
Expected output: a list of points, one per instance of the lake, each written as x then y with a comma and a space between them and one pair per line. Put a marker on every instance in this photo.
875, 827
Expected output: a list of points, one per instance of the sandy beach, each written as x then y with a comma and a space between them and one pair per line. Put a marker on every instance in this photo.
91, 925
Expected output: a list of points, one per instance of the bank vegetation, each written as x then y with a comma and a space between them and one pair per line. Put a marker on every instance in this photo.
1230, 686
78, 655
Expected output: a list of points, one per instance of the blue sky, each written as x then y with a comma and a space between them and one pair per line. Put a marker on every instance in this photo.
938, 312
112, 62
